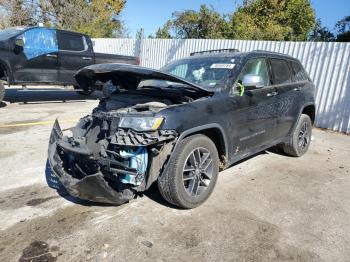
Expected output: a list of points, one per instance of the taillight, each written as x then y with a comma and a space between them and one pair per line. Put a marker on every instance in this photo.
138, 61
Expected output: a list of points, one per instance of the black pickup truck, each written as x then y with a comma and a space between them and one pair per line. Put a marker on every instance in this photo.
39, 55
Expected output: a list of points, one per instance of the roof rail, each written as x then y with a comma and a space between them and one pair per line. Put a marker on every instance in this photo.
265, 51
215, 51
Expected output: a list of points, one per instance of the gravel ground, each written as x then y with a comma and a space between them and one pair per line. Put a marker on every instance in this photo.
268, 208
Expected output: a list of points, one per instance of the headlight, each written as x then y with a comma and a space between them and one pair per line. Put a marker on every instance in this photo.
141, 123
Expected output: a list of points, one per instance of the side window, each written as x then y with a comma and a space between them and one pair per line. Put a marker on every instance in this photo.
180, 70
71, 42
299, 73
280, 71
256, 67
39, 41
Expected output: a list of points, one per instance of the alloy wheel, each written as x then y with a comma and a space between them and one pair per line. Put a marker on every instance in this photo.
304, 138
197, 172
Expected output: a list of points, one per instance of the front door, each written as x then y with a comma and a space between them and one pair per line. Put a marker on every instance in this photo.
253, 117
37, 62
74, 54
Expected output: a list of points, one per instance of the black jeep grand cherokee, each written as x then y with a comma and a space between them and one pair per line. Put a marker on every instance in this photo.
181, 125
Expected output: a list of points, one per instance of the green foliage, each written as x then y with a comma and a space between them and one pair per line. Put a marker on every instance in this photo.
164, 32
289, 20
101, 14
205, 23
343, 29
256, 19
97, 18
320, 33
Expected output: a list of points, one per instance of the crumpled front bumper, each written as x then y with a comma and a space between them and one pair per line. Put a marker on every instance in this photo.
92, 187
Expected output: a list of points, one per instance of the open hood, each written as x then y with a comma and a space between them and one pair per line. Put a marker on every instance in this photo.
129, 76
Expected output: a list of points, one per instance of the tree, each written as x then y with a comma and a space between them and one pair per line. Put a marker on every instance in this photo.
273, 20
97, 18
205, 23
320, 33
16, 13
343, 29
103, 18
164, 32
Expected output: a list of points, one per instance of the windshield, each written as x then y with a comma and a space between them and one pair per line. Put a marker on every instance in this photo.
207, 72
9, 32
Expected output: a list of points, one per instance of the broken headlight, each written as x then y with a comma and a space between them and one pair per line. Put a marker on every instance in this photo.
141, 123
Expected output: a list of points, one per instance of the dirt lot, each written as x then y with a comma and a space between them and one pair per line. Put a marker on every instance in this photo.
268, 208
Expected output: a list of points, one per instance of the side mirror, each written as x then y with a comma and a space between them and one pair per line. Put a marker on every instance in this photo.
251, 81
19, 44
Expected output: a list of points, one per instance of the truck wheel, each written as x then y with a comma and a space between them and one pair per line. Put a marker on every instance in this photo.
300, 140
84, 92
192, 173
2, 91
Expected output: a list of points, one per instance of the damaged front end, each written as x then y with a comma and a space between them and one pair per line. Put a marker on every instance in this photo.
96, 163
122, 147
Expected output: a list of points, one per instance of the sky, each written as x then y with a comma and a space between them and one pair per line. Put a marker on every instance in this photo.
152, 14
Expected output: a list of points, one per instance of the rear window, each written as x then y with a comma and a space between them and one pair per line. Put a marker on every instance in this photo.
70, 42
281, 72
299, 73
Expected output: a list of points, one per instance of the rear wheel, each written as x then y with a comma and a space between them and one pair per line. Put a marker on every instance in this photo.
300, 140
192, 174
2, 91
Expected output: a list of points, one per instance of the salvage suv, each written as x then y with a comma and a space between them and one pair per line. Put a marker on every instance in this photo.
179, 126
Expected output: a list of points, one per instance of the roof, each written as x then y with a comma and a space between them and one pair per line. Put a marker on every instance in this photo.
236, 54
31, 27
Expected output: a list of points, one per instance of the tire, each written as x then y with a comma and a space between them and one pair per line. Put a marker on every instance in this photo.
301, 138
84, 92
197, 186
2, 91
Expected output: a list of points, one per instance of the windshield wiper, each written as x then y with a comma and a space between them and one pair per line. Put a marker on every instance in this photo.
173, 87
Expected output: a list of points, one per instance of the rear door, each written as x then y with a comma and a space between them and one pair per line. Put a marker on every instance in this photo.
253, 114
37, 63
75, 52
284, 79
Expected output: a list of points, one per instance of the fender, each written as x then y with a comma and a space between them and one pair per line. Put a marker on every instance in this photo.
195, 130
300, 112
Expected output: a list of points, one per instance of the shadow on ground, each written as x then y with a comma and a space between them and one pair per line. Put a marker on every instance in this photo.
152, 193
46, 95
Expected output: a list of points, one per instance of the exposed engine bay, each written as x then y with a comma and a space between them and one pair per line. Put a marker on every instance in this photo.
119, 150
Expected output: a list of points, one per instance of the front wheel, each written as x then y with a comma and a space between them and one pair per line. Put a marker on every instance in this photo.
2, 91
300, 139
192, 173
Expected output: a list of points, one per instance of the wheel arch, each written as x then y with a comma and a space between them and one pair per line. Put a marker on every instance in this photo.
215, 132
309, 110
5, 71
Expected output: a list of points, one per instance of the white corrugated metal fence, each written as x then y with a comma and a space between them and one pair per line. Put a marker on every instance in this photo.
328, 65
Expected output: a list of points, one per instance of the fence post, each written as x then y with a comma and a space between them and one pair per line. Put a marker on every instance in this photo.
138, 44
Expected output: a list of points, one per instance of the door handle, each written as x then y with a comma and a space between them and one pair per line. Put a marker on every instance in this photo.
51, 55
297, 88
87, 58
272, 94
